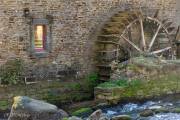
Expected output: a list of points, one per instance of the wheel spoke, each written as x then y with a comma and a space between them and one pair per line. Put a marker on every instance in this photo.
154, 38
130, 34
142, 34
162, 50
131, 43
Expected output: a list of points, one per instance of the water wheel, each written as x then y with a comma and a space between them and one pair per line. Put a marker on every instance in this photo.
130, 34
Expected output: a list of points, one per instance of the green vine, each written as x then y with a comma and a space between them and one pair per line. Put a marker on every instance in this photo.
11, 72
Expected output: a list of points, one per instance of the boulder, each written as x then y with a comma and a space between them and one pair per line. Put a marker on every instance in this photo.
146, 113
25, 108
98, 115
121, 117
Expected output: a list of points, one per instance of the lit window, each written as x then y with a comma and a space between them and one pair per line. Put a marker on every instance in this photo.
40, 38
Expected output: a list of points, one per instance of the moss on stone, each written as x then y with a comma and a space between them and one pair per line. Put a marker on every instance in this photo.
122, 83
146, 113
144, 89
154, 87
82, 111
64, 119
176, 110
161, 110
108, 85
55, 92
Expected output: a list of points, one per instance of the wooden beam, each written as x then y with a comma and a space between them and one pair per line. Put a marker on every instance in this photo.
129, 33
131, 43
162, 50
154, 38
142, 34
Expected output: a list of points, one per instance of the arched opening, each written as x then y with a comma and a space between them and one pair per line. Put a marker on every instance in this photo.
129, 34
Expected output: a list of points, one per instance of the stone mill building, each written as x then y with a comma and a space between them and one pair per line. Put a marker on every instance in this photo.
62, 42
59, 37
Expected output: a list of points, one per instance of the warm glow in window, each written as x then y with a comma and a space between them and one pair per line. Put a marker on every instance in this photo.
40, 38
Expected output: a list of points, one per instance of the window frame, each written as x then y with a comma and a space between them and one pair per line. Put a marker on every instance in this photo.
47, 44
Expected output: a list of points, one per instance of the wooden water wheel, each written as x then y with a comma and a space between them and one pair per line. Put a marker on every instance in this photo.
130, 34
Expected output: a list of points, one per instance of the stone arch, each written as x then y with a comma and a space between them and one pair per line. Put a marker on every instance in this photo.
144, 7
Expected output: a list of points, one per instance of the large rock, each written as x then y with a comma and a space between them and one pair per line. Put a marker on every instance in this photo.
25, 108
98, 115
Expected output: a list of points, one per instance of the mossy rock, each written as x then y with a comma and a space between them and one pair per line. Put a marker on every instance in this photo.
122, 117
176, 110
146, 113
161, 110
82, 111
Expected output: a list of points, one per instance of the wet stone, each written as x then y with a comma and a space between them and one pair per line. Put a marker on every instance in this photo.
122, 117
98, 115
146, 113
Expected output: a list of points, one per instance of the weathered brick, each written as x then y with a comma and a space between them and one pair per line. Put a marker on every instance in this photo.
74, 25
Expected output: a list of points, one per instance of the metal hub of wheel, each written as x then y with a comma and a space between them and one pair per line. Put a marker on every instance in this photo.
130, 34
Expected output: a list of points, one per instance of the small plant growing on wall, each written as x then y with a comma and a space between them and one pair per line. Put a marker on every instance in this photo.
11, 71
91, 81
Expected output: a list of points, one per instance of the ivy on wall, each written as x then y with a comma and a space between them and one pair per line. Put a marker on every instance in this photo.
11, 72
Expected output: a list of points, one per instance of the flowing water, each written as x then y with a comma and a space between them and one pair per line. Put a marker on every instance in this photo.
134, 109
4, 114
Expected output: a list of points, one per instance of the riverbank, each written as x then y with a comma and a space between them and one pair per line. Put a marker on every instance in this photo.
144, 78
165, 108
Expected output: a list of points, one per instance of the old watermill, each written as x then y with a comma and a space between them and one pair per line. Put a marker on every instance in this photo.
128, 34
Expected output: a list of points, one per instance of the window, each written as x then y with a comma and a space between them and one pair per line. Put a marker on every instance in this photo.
41, 37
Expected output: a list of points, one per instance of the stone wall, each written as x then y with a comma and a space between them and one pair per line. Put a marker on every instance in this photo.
75, 26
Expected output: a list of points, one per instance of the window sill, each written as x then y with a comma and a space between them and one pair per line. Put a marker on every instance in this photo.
40, 54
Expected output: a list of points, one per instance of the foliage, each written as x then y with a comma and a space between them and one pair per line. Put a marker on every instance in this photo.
82, 111
108, 85
133, 67
74, 86
155, 86
4, 104
11, 71
65, 118
148, 62
72, 93
90, 82
120, 83
135, 83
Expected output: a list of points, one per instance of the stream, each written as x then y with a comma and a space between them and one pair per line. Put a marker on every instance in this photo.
169, 103
162, 109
